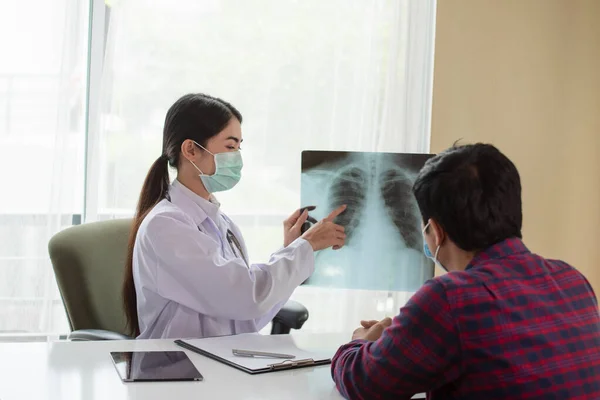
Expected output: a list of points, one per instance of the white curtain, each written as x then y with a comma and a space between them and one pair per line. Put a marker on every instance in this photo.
311, 74
42, 106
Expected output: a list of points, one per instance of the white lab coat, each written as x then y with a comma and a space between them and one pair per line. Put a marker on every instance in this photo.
189, 282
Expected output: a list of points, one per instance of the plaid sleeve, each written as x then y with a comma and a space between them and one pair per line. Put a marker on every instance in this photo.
417, 353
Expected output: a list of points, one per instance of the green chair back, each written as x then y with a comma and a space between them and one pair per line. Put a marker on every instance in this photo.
89, 264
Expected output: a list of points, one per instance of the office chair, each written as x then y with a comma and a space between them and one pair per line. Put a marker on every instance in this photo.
89, 260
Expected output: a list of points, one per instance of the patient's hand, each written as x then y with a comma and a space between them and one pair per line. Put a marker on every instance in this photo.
371, 330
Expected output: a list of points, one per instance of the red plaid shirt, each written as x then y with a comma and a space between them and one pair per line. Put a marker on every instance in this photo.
513, 325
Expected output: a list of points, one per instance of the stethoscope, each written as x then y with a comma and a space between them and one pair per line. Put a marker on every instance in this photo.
234, 243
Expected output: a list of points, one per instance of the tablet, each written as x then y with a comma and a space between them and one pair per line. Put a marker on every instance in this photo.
155, 366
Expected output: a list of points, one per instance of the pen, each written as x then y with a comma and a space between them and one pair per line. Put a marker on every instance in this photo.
252, 353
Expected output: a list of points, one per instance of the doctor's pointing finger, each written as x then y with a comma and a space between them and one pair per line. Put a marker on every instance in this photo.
326, 233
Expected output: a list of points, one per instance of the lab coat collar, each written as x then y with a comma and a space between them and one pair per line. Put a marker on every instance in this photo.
192, 204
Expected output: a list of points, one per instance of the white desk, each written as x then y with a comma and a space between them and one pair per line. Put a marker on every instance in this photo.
84, 371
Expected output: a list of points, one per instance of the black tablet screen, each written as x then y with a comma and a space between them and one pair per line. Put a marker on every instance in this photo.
151, 366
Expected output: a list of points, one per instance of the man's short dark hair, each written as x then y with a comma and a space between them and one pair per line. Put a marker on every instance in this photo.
474, 193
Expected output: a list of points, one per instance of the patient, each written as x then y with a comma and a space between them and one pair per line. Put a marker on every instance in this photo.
504, 323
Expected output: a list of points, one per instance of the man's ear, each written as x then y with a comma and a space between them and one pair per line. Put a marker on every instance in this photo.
438, 233
188, 149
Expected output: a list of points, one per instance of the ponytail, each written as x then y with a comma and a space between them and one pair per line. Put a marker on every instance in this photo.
155, 188
194, 116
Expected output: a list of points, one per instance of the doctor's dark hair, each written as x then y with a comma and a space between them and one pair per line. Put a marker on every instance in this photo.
474, 193
194, 116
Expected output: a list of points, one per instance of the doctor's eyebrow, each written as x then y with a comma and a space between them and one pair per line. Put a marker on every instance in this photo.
235, 139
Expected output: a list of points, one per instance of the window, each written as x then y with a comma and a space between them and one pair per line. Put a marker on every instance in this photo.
42, 108
80, 132
311, 74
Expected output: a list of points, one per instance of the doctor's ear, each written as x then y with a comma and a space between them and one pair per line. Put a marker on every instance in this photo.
189, 150
437, 232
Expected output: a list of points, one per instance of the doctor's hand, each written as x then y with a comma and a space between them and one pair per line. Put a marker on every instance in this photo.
292, 227
371, 330
326, 233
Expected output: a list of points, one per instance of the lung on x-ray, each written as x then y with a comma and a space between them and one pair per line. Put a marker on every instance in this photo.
384, 242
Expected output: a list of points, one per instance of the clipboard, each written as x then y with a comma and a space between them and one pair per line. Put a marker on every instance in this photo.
220, 349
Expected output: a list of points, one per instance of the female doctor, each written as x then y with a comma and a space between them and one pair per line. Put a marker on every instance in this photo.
187, 272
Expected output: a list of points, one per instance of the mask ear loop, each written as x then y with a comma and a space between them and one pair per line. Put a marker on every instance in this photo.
437, 250
205, 149
425, 228
195, 166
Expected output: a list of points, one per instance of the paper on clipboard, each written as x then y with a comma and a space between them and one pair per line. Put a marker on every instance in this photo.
222, 347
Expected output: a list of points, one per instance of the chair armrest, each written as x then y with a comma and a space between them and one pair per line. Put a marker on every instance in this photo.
292, 315
96, 334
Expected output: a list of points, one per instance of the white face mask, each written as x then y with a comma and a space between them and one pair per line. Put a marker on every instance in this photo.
228, 171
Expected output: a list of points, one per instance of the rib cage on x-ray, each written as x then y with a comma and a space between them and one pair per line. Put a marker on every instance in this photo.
396, 189
383, 237
351, 186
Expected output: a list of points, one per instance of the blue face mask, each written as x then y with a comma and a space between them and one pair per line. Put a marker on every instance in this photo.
228, 171
427, 251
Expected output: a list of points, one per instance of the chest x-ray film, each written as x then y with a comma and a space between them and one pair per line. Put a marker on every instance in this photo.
384, 243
